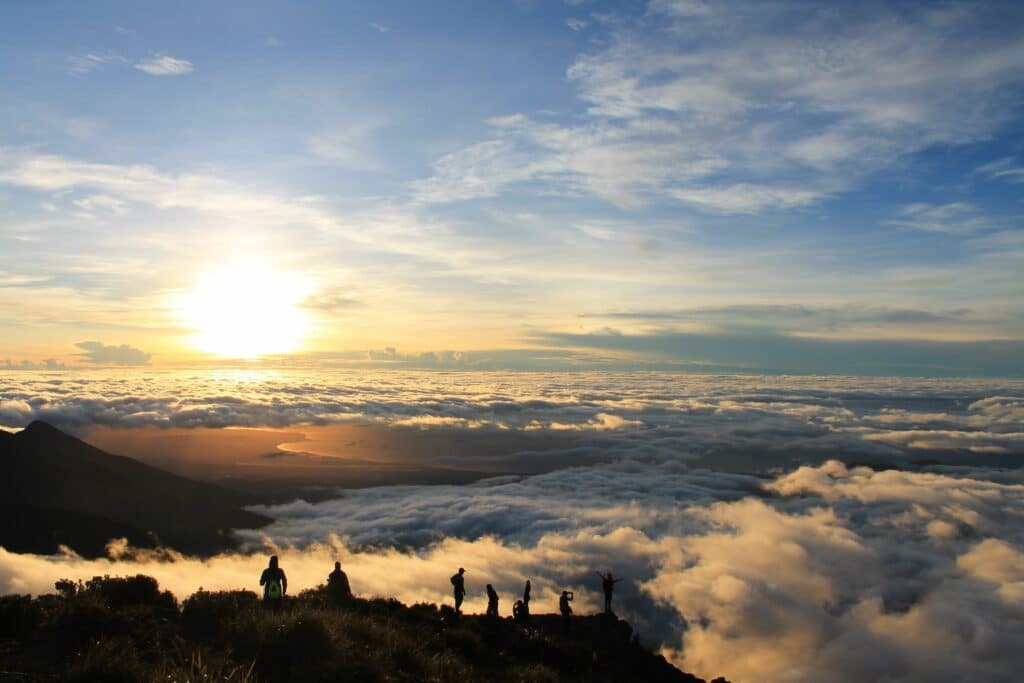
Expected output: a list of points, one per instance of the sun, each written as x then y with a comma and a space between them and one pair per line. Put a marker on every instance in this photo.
246, 309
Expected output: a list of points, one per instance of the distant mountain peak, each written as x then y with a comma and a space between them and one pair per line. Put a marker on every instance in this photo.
60, 489
41, 427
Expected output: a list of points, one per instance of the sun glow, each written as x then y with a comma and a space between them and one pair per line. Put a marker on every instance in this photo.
246, 309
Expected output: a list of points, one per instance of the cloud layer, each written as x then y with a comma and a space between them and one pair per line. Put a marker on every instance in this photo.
738, 422
750, 548
825, 573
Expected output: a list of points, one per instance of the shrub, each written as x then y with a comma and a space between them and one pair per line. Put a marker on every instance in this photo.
286, 648
19, 616
205, 614
197, 668
75, 623
111, 660
130, 590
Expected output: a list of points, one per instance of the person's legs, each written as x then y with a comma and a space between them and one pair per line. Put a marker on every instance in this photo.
458, 601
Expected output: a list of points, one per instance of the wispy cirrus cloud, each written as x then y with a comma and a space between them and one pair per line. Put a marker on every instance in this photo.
165, 65
955, 218
91, 61
1007, 169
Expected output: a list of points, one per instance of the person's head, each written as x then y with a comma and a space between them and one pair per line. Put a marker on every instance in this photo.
565, 594
461, 570
337, 565
527, 583
490, 587
273, 561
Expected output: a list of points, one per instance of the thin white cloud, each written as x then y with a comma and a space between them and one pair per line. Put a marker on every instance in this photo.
747, 198
576, 24
91, 61
380, 28
955, 218
101, 202
165, 65
1007, 169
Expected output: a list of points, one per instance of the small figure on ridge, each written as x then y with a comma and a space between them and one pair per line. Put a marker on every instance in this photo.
274, 583
492, 601
338, 587
459, 588
565, 609
526, 598
608, 582
520, 614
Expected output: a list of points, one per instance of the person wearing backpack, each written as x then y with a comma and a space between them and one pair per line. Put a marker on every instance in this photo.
459, 588
274, 583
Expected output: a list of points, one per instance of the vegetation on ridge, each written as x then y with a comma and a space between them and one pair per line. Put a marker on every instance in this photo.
127, 630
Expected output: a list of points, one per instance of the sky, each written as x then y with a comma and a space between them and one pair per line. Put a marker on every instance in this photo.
786, 187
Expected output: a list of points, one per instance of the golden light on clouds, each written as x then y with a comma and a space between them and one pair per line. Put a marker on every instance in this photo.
246, 309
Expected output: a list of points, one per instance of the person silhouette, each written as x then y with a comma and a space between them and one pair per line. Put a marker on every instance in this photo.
608, 582
492, 601
459, 588
565, 609
519, 613
338, 587
526, 597
274, 582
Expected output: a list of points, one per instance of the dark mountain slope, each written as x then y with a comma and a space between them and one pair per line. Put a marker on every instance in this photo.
57, 489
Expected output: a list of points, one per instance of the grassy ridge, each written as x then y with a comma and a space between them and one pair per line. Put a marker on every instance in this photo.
114, 629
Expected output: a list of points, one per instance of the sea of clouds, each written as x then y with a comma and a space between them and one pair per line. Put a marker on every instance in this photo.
824, 571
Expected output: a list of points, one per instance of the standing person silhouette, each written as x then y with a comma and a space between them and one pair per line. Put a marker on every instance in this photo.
338, 587
275, 584
608, 582
566, 610
459, 588
526, 598
492, 601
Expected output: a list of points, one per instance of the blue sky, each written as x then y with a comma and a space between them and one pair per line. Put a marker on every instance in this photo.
537, 178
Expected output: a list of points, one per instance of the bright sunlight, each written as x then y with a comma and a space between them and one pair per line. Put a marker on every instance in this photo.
246, 309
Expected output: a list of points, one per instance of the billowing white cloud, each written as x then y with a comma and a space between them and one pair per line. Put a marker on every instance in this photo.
108, 354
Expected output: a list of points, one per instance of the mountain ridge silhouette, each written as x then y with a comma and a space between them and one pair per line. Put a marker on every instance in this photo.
59, 490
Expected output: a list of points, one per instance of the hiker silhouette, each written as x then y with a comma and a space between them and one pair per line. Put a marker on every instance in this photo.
338, 587
459, 588
608, 582
520, 613
274, 582
526, 597
565, 609
492, 601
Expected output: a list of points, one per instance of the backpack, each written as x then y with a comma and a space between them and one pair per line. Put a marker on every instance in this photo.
273, 589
